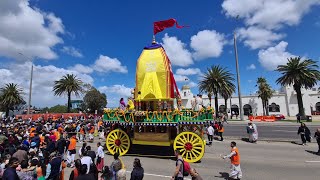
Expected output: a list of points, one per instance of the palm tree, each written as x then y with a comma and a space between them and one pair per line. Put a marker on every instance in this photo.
226, 93
10, 96
68, 84
300, 74
265, 93
214, 81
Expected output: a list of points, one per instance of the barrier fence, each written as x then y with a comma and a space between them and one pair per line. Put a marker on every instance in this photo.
262, 118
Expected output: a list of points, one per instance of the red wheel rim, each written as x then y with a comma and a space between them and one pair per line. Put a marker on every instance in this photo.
117, 142
188, 146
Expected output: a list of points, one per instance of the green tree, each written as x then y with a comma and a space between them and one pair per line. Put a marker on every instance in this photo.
226, 92
300, 74
10, 96
95, 100
265, 93
214, 81
58, 109
68, 84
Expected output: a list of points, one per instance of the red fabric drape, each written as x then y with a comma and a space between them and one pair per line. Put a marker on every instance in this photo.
161, 25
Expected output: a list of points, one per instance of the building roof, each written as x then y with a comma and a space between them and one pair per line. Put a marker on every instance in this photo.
185, 87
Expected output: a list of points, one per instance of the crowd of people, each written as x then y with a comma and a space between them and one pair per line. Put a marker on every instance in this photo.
41, 150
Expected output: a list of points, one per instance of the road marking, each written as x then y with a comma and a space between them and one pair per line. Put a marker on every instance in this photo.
283, 131
312, 161
157, 175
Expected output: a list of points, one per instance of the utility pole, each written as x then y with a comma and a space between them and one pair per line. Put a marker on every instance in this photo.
238, 75
30, 86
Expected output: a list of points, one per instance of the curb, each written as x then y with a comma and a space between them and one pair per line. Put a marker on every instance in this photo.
269, 140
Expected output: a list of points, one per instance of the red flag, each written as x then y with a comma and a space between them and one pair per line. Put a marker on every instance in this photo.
161, 25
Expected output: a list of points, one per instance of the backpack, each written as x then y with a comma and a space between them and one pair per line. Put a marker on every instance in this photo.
186, 167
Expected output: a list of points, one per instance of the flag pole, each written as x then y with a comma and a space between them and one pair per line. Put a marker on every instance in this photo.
153, 39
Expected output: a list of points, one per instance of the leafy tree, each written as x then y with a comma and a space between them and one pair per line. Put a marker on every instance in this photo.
95, 100
214, 81
300, 74
58, 109
226, 92
68, 84
10, 96
265, 93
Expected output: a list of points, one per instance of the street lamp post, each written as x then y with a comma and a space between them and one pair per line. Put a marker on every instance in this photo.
30, 86
238, 74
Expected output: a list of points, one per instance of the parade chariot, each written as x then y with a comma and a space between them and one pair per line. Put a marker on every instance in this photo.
158, 118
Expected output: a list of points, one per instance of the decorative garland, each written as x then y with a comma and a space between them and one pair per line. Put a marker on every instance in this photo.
155, 114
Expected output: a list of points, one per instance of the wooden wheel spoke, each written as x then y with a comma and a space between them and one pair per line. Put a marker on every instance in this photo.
181, 143
179, 147
198, 144
196, 147
183, 152
194, 154
194, 140
112, 137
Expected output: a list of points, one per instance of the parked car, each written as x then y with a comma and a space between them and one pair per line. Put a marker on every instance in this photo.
279, 116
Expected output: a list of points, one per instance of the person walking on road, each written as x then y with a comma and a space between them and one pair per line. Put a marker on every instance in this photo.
317, 136
234, 156
220, 131
178, 173
137, 172
210, 133
304, 134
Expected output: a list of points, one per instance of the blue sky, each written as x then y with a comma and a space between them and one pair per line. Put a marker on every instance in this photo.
101, 41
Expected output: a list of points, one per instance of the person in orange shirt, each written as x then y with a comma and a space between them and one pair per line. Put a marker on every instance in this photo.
221, 130
82, 134
71, 151
57, 135
234, 156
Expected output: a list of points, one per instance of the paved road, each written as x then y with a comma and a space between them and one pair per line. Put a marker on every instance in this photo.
262, 161
271, 131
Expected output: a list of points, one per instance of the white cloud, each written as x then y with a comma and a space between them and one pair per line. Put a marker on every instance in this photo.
72, 51
256, 37
189, 71
114, 93
270, 14
176, 51
207, 44
120, 90
180, 78
274, 56
82, 69
192, 84
43, 81
251, 67
106, 64
28, 30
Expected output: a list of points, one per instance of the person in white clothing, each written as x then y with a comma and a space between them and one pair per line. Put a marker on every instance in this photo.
86, 160
100, 157
210, 133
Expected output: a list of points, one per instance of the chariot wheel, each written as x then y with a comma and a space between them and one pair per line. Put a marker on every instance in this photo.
118, 141
191, 146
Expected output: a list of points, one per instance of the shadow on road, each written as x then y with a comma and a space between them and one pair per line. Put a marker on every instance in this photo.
313, 152
245, 139
293, 142
223, 175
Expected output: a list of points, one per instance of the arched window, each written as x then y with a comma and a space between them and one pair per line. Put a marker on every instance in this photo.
247, 110
274, 107
222, 108
318, 106
185, 94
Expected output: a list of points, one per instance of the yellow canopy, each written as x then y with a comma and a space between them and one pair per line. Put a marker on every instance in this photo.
154, 77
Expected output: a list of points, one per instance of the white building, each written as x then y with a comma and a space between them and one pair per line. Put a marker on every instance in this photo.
282, 102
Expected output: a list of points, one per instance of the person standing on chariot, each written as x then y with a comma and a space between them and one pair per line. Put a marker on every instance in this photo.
122, 104
194, 103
